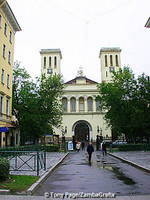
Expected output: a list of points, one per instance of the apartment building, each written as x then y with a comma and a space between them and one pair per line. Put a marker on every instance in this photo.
8, 28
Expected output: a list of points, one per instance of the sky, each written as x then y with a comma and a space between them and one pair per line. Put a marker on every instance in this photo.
80, 28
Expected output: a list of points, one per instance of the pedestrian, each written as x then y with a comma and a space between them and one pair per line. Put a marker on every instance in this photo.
90, 150
103, 147
78, 145
82, 145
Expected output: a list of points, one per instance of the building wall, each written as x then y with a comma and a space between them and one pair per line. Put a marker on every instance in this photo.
7, 39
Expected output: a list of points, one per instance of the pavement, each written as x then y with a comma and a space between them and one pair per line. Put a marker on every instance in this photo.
76, 164
140, 159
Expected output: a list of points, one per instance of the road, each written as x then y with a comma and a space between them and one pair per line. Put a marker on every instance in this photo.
105, 174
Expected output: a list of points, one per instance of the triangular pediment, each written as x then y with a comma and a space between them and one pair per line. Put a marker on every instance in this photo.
81, 80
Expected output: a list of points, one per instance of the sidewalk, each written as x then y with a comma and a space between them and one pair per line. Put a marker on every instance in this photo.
137, 158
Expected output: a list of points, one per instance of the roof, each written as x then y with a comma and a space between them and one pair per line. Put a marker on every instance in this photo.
10, 15
147, 25
46, 51
110, 49
88, 81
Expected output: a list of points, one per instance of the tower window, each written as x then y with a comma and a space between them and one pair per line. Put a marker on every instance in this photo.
0, 21
1, 105
2, 76
55, 61
8, 77
5, 29
106, 61
10, 37
9, 57
7, 106
4, 50
50, 61
117, 60
64, 104
44, 62
111, 60
106, 74
81, 104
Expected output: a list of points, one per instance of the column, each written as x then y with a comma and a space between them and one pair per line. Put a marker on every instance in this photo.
68, 105
77, 105
94, 105
85, 104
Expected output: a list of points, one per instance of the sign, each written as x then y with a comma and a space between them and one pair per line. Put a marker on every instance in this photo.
4, 129
70, 146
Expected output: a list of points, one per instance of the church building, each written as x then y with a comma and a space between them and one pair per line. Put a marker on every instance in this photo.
82, 117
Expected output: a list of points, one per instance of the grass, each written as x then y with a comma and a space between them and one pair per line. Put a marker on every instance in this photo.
17, 183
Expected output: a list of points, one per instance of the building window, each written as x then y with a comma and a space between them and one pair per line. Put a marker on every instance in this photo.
106, 61
111, 60
10, 37
4, 50
117, 60
8, 80
81, 104
9, 57
73, 104
44, 62
0, 21
7, 107
1, 105
55, 61
106, 74
50, 61
64, 104
2, 76
98, 106
90, 103
5, 29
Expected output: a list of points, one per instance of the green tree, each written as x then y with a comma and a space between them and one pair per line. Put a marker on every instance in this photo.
125, 101
36, 104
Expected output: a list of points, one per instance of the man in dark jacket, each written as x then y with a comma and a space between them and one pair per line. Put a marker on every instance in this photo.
90, 150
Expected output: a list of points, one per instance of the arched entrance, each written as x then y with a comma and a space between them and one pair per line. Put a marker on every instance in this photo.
82, 130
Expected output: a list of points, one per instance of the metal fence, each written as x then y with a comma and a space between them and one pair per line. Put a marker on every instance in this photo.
25, 160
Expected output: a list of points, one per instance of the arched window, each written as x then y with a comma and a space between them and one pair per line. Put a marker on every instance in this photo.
106, 61
81, 104
44, 62
90, 103
117, 60
64, 104
50, 61
111, 60
73, 104
98, 106
55, 61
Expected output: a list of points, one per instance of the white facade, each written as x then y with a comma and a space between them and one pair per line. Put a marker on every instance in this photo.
82, 116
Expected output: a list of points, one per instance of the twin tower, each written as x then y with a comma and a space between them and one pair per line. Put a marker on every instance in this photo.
109, 58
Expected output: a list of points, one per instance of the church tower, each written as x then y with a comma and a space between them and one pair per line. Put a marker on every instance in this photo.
50, 61
110, 61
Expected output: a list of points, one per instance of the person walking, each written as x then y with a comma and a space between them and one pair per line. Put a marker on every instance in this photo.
82, 145
90, 150
78, 145
104, 150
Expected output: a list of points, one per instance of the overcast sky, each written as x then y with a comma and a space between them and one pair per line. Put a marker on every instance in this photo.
80, 28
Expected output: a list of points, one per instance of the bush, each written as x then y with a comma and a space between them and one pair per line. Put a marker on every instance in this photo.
134, 147
4, 169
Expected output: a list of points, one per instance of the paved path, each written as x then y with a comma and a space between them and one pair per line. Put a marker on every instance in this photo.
139, 157
51, 159
104, 175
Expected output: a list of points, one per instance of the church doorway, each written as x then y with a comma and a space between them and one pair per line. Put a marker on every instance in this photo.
82, 131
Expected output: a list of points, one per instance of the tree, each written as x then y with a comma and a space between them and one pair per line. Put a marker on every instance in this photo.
125, 101
37, 104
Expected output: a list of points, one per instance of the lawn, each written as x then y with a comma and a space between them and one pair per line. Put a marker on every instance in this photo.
18, 183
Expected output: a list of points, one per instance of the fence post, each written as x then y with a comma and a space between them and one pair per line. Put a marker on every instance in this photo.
37, 163
44, 160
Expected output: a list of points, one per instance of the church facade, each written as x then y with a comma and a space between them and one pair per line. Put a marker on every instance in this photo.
82, 117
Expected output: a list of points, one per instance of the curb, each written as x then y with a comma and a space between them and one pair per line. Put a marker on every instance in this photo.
131, 163
33, 187
4, 191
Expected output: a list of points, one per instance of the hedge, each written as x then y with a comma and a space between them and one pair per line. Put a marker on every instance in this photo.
47, 148
133, 147
4, 169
